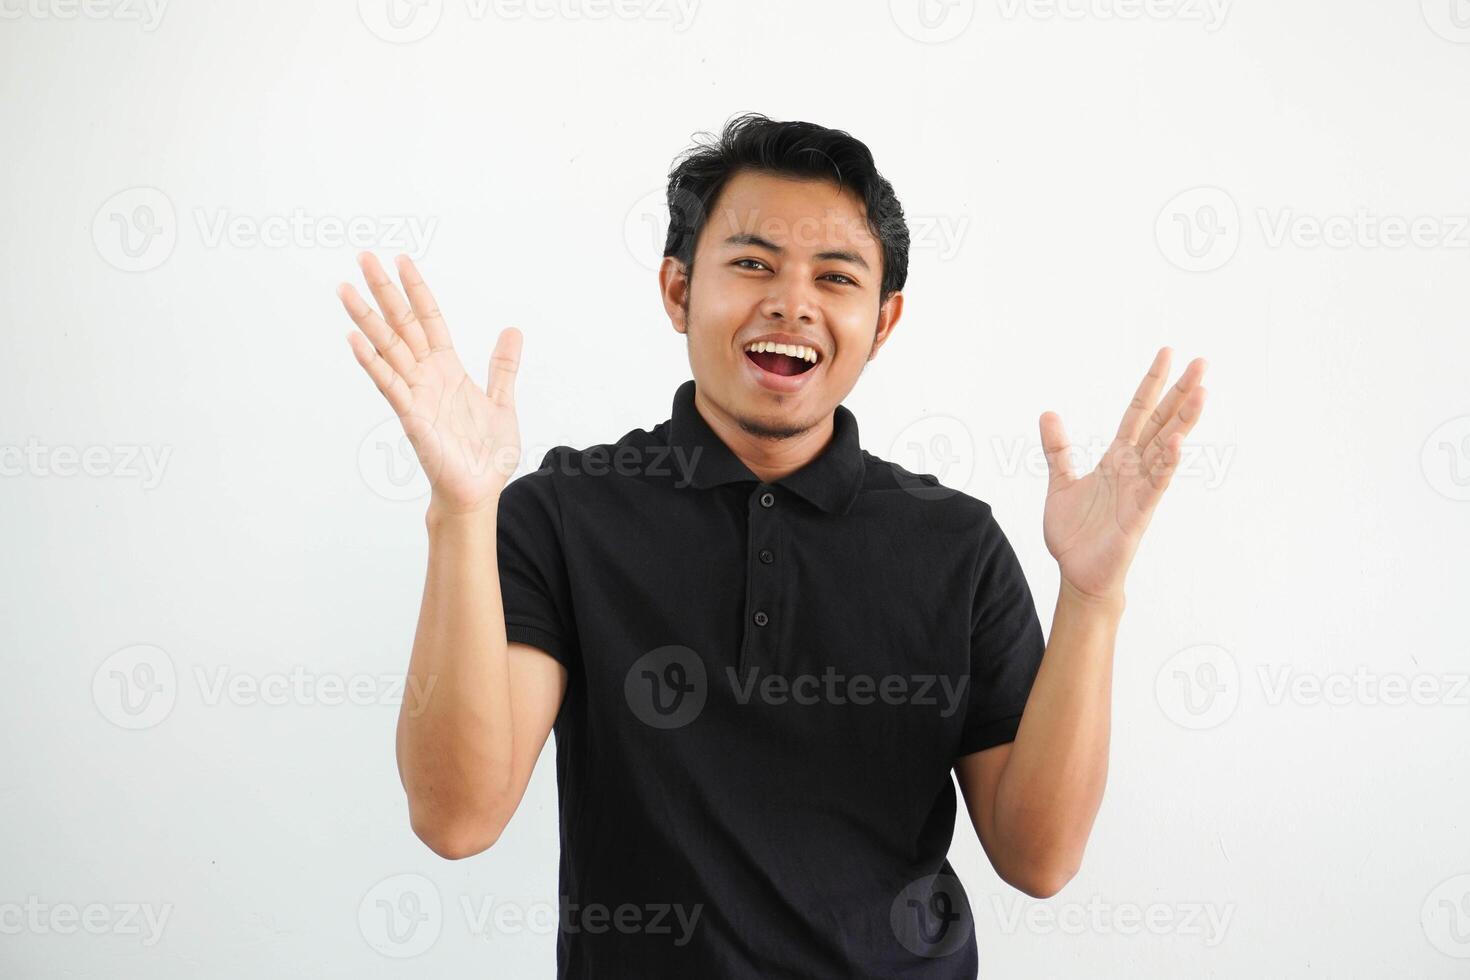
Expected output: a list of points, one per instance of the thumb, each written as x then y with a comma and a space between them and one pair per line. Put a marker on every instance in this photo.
505, 364
1058, 451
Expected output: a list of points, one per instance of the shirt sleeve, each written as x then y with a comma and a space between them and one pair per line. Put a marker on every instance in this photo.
1006, 644
535, 591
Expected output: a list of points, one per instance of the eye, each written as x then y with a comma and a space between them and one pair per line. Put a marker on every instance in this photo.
846, 279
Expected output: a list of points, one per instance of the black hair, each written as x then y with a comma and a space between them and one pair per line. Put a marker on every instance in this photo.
801, 150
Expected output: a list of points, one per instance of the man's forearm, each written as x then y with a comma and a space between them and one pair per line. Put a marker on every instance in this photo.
454, 745
1052, 786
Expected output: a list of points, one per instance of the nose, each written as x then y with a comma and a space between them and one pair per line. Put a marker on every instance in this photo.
789, 299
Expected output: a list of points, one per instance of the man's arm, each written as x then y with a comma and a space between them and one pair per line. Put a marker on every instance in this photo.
468, 742
464, 755
1033, 801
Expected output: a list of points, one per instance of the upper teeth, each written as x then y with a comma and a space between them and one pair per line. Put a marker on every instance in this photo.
790, 350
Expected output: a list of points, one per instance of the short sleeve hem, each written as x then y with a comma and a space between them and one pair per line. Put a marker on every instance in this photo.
539, 638
990, 734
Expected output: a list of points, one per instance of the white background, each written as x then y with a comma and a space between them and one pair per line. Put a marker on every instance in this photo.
1083, 187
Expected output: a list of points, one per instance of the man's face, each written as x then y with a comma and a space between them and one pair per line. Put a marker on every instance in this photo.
789, 260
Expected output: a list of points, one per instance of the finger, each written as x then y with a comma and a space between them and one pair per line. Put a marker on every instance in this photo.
1145, 397
1159, 474
388, 344
435, 329
1158, 453
388, 380
1058, 451
396, 311
505, 363
1194, 372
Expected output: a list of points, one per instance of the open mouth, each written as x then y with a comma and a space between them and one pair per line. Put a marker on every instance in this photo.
783, 359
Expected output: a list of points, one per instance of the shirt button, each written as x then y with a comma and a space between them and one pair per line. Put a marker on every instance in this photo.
767, 499
761, 619
766, 556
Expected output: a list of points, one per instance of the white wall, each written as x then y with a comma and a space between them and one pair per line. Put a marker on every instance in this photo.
1050, 158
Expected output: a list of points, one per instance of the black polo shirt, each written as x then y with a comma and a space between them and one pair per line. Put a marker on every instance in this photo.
768, 685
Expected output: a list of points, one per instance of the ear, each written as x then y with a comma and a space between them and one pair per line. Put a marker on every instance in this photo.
888, 315
673, 287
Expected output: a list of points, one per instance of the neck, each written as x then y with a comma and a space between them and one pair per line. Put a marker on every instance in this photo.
770, 456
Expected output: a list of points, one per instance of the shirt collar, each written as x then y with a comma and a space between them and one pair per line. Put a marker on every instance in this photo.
830, 481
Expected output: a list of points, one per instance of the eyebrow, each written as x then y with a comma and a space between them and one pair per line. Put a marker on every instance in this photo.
836, 255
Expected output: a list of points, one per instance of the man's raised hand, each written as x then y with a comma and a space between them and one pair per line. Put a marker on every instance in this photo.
1093, 524
467, 440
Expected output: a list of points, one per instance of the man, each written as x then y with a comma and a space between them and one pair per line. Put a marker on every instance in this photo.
763, 650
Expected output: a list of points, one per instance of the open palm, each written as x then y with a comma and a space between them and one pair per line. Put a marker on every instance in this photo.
467, 440
1093, 524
